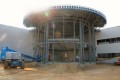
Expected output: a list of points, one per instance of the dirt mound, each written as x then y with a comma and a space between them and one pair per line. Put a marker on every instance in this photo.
60, 67
55, 67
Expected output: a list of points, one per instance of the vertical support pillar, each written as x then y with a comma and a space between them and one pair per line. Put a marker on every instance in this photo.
83, 55
74, 42
93, 45
38, 42
63, 28
80, 43
37, 51
46, 43
37, 38
34, 47
74, 30
90, 43
53, 51
35, 42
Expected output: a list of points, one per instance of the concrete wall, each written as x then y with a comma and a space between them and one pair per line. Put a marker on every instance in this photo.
108, 33
16, 38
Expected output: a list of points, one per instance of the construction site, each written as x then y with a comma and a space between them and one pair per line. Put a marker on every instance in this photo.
61, 46
64, 33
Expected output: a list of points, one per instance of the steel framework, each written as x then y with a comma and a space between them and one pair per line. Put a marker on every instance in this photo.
65, 33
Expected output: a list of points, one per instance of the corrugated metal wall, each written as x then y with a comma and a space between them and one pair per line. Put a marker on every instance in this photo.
105, 34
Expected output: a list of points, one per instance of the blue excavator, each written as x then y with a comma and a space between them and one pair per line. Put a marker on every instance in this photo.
12, 58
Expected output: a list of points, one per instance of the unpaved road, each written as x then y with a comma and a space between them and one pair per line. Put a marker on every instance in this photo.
93, 72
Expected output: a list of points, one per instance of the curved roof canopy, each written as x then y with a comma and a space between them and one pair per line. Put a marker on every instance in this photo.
33, 19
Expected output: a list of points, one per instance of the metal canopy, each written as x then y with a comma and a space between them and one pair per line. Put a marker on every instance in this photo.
69, 11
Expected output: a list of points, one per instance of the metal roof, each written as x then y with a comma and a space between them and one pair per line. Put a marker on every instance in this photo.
77, 11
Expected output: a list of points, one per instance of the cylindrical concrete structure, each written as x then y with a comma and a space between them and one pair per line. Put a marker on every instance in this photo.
65, 33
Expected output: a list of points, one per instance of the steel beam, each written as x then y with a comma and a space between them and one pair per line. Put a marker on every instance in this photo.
90, 43
74, 52
93, 43
63, 27
53, 49
80, 44
83, 54
46, 43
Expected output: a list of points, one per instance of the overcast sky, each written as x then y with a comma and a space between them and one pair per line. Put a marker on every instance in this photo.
12, 12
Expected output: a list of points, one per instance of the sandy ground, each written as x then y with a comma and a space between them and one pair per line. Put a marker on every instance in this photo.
33, 71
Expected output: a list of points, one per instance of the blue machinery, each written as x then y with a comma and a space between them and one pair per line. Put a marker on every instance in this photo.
15, 62
6, 49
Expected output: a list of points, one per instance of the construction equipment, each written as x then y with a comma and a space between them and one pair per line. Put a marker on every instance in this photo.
3, 52
12, 58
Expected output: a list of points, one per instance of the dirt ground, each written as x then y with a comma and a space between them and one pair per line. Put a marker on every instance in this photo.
35, 71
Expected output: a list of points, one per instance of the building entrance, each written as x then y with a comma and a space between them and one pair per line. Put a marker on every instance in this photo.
63, 50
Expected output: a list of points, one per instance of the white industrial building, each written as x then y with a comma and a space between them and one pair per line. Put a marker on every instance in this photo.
108, 42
